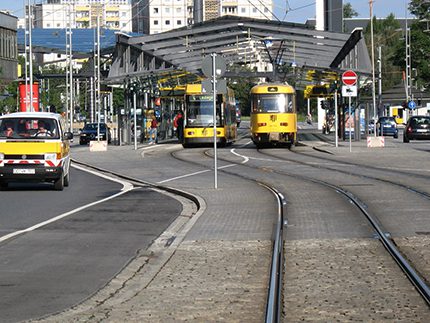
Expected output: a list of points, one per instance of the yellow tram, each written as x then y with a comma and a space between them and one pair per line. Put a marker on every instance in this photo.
273, 114
198, 117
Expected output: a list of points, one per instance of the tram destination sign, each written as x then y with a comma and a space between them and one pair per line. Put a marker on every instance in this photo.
349, 78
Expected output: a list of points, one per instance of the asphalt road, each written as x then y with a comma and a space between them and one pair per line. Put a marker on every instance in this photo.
63, 263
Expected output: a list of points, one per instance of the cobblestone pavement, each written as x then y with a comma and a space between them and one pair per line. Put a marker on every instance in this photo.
218, 273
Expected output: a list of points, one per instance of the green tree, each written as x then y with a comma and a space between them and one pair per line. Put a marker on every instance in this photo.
419, 44
420, 8
387, 35
348, 11
8, 97
241, 88
54, 87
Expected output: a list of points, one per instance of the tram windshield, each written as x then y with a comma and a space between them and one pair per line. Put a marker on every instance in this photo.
273, 103
199, 111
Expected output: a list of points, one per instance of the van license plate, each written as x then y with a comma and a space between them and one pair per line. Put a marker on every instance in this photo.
24, 171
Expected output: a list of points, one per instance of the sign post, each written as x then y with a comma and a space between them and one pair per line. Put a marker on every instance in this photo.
213, 66
349, 79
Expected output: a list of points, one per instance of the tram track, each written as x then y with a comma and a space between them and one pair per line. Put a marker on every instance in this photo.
194, 199
362, 175
274, 293
410, 188
400, 257
417, 281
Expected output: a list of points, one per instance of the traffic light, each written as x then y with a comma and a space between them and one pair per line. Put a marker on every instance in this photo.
325, 105
317, 91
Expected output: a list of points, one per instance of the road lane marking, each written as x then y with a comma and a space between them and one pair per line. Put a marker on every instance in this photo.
245, 159
126, 188
193, 174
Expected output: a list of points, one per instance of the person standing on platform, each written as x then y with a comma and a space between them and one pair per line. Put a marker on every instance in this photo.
178, 123
153, 130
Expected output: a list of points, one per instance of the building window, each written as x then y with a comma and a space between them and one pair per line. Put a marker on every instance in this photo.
155, 10
179, 22
167, 10
243, 10
167, 22
155, 22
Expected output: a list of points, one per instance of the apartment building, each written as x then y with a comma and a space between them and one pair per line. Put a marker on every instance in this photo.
156, 16
8, 48
113, 14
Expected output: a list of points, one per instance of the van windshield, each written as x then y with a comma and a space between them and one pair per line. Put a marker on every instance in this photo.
29, 128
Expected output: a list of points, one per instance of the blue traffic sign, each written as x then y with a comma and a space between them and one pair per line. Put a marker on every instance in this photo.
412, 105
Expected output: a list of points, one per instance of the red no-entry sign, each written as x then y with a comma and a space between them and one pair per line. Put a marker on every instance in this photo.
349, 78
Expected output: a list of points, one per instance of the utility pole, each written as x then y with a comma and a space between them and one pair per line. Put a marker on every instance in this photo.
29, 60
97, 76
373, 64
69, 67
408, 89
380, 79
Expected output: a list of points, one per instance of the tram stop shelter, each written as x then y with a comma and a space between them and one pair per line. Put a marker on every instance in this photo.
273, 50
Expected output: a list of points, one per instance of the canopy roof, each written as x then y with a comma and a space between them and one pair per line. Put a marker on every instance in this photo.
53, 40
240, 41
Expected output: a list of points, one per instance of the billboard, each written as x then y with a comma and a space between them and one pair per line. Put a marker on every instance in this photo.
24, 97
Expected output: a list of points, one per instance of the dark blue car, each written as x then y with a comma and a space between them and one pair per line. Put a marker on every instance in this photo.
90, 130
387, 126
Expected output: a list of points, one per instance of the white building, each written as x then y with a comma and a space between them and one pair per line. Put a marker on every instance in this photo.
156, 16
113, 14
244, 8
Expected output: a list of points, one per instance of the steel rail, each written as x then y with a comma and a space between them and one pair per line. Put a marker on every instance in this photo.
404, 265
410, 272
361, 175
176, 191
274, 297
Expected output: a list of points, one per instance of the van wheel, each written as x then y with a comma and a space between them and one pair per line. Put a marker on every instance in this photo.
59, 184
405, 139
67, 179
3, 186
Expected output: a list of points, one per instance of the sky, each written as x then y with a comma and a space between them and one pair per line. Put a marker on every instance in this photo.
298, 10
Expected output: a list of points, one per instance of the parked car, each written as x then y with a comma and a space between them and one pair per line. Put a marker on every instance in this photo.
387, 126
90, 130
417, 127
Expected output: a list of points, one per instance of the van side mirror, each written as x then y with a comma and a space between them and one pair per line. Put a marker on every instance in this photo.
68, 135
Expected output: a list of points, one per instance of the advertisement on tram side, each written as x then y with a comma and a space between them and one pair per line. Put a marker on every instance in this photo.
24, 97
